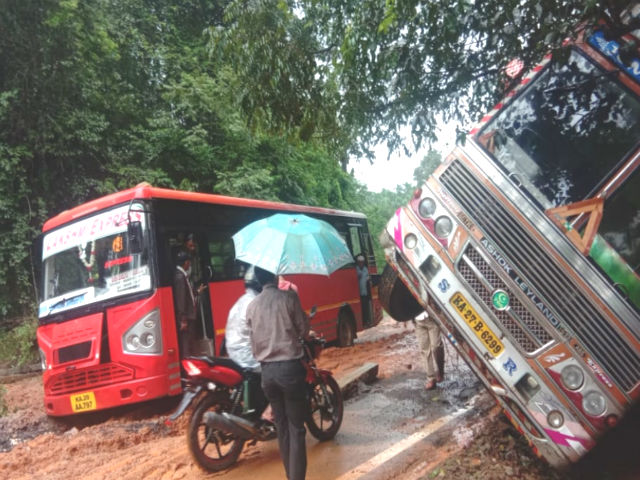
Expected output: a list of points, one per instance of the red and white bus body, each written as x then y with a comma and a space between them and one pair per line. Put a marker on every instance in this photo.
548, 319
107, 333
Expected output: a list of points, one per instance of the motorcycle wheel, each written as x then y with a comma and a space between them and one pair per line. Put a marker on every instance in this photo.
212, 449
325, 409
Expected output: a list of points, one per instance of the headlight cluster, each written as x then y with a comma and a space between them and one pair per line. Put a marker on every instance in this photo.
145, 336
594, 403
442, 225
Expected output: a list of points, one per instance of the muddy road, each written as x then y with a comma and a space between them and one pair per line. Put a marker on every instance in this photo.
392, 428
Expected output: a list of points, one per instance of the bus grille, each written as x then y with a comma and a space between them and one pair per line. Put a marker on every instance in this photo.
552, 283
76, 380
517, 320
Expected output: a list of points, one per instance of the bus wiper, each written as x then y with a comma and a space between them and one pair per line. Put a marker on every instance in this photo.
63, 301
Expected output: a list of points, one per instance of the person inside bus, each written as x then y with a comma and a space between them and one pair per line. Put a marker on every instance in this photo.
277, 322
363, 284
238, 345
185, 302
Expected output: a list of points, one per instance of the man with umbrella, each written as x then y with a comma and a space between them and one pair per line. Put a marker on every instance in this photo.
277, 322
278, 245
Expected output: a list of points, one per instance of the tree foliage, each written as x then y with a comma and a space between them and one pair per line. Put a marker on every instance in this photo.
260, 98
392, 63
99, 95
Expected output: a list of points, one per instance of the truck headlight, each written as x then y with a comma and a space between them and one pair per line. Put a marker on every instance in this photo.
145, 336
426, 207
443, 226
410, 241
572, 377
594, 403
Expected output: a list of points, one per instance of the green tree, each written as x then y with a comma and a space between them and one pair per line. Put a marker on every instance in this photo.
427, 166
382, 65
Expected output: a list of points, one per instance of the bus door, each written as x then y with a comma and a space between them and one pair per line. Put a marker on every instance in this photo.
193, 242
359, 243
227, 280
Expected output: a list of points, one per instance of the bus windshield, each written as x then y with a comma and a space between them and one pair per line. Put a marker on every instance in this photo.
92, 260
566, 132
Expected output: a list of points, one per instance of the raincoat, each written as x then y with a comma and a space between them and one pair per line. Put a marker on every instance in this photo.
237, 332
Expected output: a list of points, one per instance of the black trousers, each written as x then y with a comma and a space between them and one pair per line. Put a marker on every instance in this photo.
285, 387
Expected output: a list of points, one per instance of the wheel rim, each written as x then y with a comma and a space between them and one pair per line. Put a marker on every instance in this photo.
323, 412
212, 443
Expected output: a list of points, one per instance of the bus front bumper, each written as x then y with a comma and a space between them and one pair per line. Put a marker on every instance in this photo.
110, 396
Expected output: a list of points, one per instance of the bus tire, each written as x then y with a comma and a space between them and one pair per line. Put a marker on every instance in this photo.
396, 298
346, 330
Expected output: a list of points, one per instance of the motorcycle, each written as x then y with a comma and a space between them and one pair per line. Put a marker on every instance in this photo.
220, 425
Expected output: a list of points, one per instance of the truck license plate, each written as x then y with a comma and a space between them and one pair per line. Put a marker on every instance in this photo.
478, 326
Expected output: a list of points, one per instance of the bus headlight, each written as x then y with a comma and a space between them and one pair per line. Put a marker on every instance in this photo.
594, 403
443, 226
426, 207
43, 359
572, 377
145, 336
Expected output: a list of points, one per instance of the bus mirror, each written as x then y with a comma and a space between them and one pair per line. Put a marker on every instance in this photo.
134, 232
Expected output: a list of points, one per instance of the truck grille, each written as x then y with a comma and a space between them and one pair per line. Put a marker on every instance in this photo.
525, 330
77, 380
551, 282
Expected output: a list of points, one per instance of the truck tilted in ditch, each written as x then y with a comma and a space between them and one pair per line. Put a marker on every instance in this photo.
524, 246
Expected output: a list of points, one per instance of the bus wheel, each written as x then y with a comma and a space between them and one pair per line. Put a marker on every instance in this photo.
346, 332
396, 298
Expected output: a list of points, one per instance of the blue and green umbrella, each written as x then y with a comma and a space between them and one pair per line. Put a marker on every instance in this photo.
292, 244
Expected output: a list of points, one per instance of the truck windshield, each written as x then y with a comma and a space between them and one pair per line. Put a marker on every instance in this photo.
566, 132
92, 260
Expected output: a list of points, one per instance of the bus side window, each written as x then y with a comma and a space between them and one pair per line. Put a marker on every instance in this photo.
354, 240
223, 257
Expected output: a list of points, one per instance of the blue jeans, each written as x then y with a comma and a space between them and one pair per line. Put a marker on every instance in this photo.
285, 387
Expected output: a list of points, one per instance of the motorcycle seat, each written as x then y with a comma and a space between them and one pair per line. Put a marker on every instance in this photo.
222, 361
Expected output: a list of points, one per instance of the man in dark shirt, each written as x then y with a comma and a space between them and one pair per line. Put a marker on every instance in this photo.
277, 322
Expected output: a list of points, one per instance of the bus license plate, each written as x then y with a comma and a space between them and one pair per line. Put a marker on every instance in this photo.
479, 327
83, 402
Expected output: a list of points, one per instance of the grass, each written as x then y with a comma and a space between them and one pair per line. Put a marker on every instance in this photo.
18, 346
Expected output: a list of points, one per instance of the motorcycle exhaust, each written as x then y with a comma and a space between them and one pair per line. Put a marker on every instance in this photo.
232, 424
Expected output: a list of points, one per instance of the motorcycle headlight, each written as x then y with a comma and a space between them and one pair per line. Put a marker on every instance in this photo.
443, 226
426, 207
572, 377
594, 403
145, 336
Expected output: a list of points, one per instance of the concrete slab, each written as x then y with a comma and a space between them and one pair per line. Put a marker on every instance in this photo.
367, 373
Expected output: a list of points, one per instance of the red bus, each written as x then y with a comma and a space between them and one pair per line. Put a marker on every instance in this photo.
107, 331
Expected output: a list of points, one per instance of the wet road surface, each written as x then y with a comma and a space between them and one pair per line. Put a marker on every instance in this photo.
383, 424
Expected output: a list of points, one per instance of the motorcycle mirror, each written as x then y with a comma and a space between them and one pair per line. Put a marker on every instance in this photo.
313, 311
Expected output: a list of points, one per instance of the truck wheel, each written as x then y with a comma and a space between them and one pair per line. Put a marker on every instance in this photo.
396, 298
